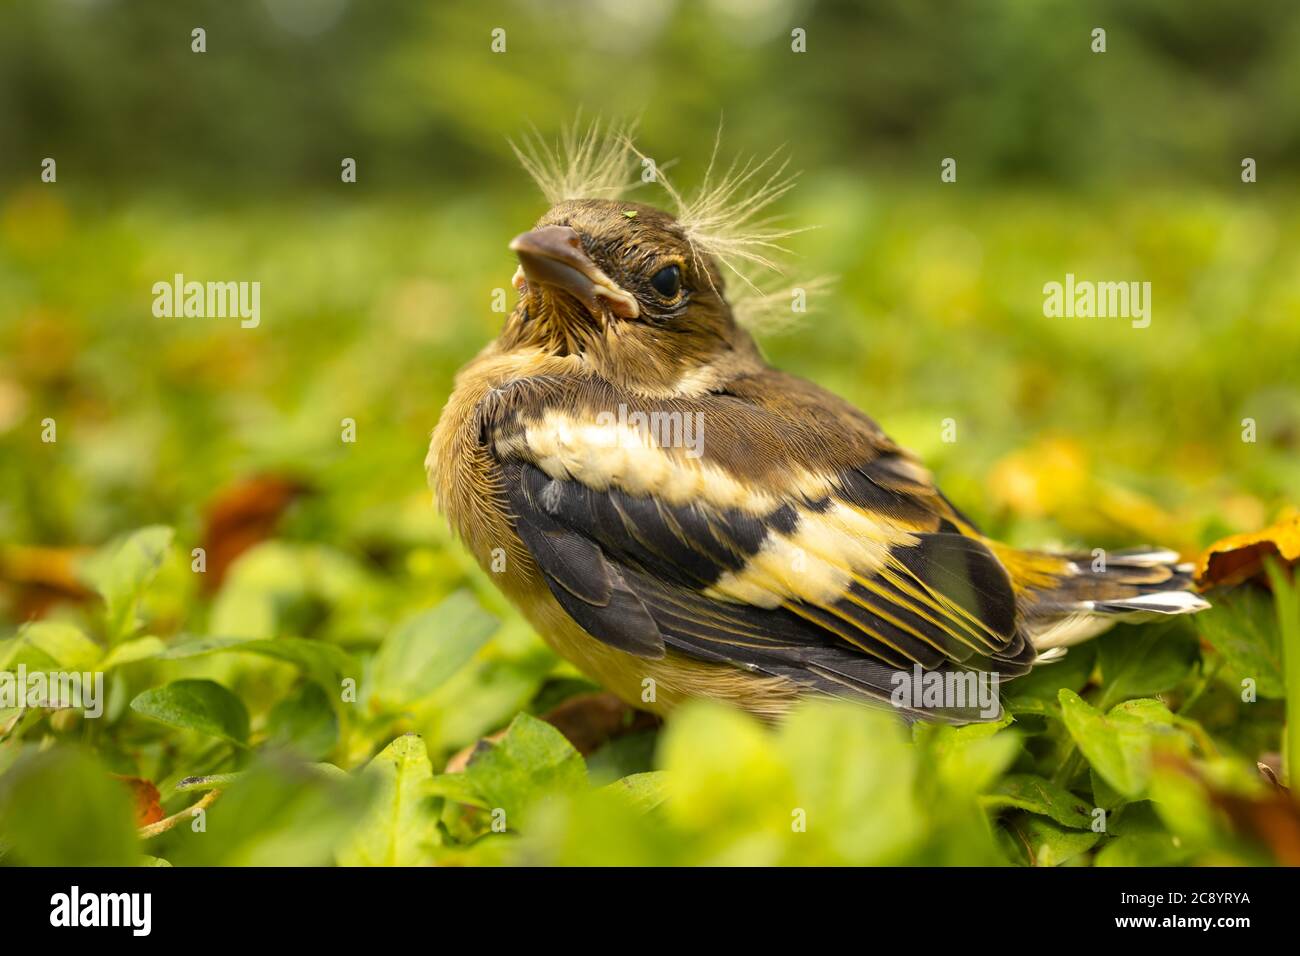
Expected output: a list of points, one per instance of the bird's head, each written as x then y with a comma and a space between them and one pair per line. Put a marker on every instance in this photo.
621, 284
637, 293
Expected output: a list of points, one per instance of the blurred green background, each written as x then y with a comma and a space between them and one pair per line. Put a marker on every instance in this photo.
225, 165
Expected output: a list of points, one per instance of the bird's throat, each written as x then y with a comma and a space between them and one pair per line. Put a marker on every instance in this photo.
553, 321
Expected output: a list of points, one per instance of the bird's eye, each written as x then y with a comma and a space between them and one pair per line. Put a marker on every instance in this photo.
668, 281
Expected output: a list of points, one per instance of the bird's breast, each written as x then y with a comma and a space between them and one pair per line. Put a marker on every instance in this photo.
464, 473
467, 481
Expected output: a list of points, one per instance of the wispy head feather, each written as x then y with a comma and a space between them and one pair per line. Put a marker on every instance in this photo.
586, 162
769, 308
724, 218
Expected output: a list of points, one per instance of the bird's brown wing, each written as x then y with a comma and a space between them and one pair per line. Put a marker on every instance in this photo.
833, 574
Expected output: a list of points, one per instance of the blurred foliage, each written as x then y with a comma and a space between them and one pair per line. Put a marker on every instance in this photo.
322, 679
297, 752
415, 92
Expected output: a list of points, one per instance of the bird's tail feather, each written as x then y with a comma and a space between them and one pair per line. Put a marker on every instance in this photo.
1091, 592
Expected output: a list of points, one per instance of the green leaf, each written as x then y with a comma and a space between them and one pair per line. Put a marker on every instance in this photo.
1144, 661
456, 788
1242, 626
428, 648
1145, 849
401, 828
305, 722
188, 647
1144, 712
1286, 596
1049, 844
52, 646
1103, 794
1101, 745
841, 758
644, 791
485, 694
532, 760
1038, 795
1138, 838
327, 664
128, 652
59, 807
219, 781
213, 781
1041, 685
122, 573
970, 758
608, 826
280, 812
278, 588
1021, 707
726, 773
624, 756
201, 705
1118, 745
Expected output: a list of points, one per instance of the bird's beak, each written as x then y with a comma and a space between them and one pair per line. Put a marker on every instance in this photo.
553, 256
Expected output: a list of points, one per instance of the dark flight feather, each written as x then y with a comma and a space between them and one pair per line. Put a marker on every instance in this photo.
949, 606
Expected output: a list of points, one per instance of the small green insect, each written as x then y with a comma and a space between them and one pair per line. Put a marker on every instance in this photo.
630, 213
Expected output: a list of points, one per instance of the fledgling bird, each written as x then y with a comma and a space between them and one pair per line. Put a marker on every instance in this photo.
795, 550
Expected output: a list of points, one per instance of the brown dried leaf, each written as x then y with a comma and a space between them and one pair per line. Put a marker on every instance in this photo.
144, 798
1241, 557
1272, 821
42, 577
244, 514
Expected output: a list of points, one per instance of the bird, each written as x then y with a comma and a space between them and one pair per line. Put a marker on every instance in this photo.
681, 520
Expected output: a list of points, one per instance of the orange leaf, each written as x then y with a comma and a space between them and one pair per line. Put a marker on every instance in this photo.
244, 514
41, 577
144, 797
1241, 557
